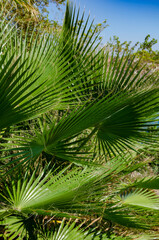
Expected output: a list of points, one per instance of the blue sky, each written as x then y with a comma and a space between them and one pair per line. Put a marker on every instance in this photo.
130, 20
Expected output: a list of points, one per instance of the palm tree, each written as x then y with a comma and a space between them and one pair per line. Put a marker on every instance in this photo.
72, 117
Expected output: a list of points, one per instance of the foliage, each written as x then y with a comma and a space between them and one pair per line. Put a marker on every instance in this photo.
144, 51
74, 120
31, 15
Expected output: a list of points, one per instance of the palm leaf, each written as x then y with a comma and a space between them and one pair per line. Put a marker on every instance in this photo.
147, 237
150, 183
84, 45
123, 218
17, 226
141, 198
119, 124
124, 73
46, 192
40, 77
63, 195
146, 183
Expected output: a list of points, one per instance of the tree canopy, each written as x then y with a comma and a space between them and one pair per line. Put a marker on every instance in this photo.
30, 13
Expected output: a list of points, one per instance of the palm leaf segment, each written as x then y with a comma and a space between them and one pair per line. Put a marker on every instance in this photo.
140, 194
141, 198
70, 231
35, 74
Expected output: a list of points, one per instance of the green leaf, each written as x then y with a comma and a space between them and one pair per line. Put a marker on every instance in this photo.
141, 198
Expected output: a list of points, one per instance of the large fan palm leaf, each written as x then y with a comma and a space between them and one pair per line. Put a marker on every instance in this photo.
36, 73
119, 123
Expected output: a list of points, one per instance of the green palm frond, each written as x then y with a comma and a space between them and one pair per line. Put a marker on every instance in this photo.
46, 192
37, 75
19, 226
75, 26
151, 183
66, 232
122, 73
77, 193
71, 231
124, 218
141, 198
42, 193
145, 183
84, 46
147, 237
121, 130
118, 122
